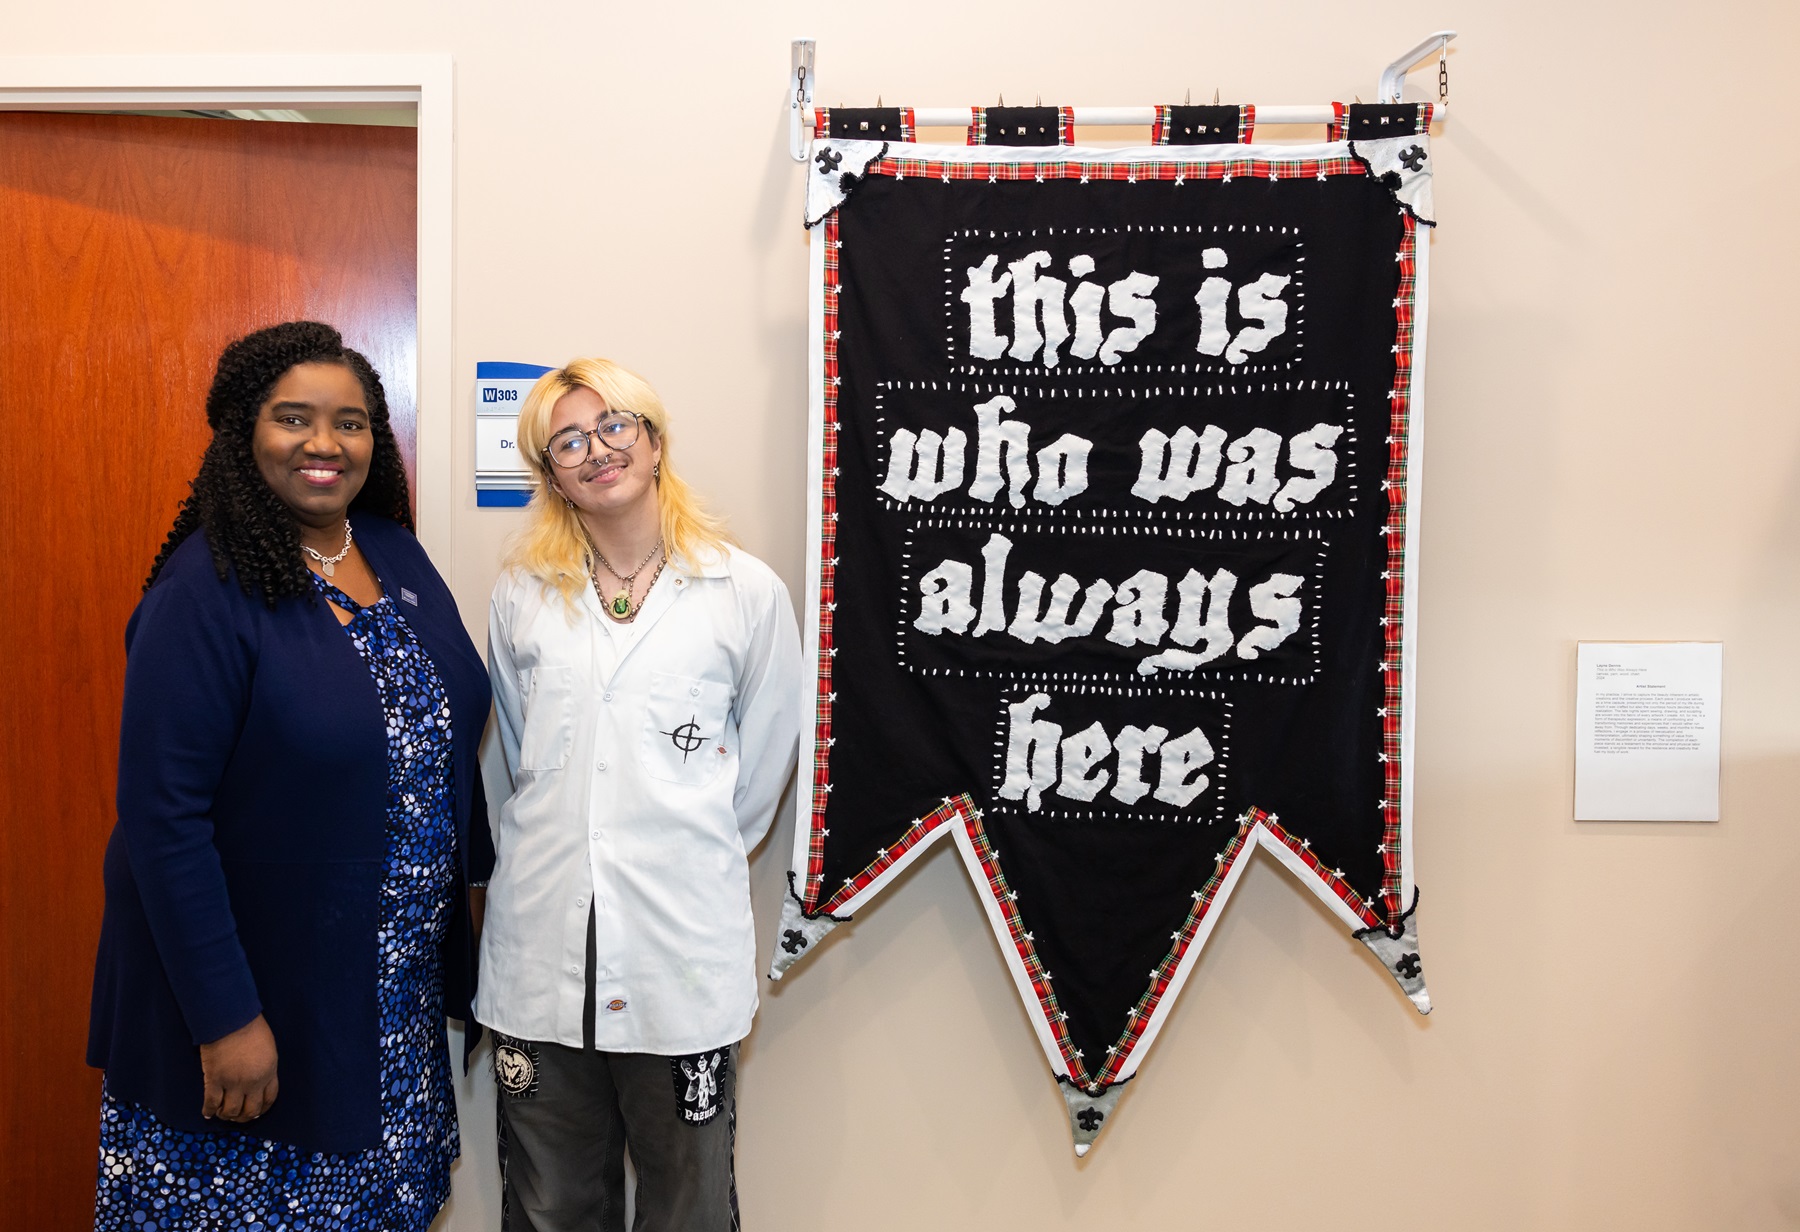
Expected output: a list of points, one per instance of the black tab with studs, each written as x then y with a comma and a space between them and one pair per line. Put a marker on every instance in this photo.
1373, 121
1215, 124
1023, 126
867, 124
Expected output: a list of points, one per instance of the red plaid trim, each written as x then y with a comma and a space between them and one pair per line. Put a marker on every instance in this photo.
1393, 611
1067, 127
1335, 130
1246, 122
1138, 1019
822, 123
1333, 878
821, 767
915, 835
902, 165
977, 126
1159, 128
1054, 1017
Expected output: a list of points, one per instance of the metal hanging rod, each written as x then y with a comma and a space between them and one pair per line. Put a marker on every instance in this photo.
803, 89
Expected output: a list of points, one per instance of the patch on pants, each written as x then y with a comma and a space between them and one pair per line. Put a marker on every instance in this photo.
515, 1066
699, 1084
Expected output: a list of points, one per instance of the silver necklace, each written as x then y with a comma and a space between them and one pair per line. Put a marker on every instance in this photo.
331, 563
621, 608
620, 605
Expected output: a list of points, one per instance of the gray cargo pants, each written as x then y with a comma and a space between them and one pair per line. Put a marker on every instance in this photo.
567, 1116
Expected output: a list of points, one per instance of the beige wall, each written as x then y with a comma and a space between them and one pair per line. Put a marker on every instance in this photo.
1614, 452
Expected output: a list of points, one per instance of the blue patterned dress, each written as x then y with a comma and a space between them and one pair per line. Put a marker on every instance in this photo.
157, 1179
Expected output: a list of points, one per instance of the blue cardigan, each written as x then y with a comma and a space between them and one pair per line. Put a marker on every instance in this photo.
243, 875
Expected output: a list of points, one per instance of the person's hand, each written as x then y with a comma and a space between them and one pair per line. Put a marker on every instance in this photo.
239, 1071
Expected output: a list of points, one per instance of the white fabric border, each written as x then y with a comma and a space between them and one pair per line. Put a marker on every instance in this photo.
1257, 835
1191, 955
857, 901
1309, 877
815, 509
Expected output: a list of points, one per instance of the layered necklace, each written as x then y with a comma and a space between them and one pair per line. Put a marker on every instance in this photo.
620, 607
330, 563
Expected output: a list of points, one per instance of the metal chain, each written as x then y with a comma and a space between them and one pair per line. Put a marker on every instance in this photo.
800, 89
1444, 76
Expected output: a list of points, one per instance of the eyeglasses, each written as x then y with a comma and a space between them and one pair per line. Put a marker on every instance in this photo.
616, 432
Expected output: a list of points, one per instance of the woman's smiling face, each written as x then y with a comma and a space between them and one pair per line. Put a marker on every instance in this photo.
312, 441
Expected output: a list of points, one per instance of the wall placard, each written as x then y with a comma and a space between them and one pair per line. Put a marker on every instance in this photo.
502, 477
1647, 731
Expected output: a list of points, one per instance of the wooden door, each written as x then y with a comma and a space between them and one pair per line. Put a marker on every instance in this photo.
131, 250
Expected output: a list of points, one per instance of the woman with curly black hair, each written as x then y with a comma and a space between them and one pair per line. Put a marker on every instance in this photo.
300, 819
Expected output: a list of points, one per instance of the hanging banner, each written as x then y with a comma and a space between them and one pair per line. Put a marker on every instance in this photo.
1113, 531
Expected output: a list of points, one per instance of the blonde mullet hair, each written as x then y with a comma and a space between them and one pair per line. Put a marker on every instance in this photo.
551, 547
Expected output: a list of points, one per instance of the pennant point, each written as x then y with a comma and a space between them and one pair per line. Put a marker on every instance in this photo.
796, 935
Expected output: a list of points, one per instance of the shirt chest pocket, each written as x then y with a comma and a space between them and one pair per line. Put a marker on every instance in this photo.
549, 733
684, 728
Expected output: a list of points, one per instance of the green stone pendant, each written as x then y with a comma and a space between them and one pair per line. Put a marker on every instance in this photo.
621, 604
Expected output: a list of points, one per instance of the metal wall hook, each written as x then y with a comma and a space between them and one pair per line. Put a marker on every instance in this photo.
803, 84
1393, 77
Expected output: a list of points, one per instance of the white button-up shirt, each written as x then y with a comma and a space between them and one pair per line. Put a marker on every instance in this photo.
646, 762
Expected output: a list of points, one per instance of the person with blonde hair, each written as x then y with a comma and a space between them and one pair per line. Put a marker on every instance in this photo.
646, 680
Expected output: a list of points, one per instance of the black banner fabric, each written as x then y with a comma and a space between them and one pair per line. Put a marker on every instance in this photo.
1112, 453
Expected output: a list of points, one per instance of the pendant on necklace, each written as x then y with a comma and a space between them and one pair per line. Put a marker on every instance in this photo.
330, 569
621, 604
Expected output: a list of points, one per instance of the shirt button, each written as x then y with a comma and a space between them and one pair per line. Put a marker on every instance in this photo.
606, 697
595, 834
574, 970
601, 766
581, 902
693, 690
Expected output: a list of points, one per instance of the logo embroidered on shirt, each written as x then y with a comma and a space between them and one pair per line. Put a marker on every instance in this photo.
697, 1084
616, 1005
687, 737
515, 1066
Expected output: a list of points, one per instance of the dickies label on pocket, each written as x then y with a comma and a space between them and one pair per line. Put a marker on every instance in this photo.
700, 1084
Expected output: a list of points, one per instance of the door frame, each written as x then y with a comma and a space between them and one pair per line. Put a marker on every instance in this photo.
233, 82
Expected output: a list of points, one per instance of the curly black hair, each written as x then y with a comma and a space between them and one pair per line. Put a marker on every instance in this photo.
247, 526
